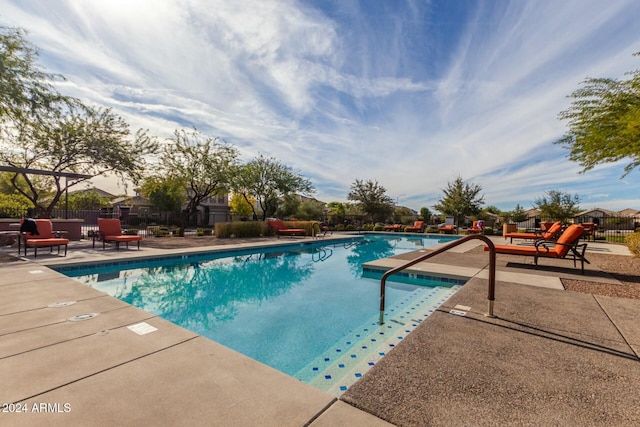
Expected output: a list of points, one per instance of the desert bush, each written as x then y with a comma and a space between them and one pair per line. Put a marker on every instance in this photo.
633, 242
241, 229
159, 231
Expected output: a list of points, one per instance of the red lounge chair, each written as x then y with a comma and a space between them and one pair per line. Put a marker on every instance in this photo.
45, 238
477, 227
447, 229
417, 226
550, 234
567, 244
280, 229
589, 231
109, 230
394, 227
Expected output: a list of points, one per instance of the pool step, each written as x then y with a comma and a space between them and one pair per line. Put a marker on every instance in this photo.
347, 361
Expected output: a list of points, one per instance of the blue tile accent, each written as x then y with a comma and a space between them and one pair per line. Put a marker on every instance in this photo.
341, 366
343, 388
358, 375
327, 377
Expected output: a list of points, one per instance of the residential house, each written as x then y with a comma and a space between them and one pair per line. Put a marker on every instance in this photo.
211, 210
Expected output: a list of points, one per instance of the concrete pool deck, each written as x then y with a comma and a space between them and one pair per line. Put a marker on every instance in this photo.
549, 357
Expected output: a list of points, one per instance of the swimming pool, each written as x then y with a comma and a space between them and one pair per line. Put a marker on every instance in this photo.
299, 307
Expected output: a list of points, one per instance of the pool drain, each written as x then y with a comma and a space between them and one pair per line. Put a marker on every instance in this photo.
84, 316
62, 304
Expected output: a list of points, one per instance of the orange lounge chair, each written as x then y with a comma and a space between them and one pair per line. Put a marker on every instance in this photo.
417, 226
447, 229
566, 244
45, 238
280, 229
109, 230
545, 225
550, 234
477, 227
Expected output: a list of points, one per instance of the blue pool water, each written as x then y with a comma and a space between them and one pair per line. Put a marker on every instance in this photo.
285, 306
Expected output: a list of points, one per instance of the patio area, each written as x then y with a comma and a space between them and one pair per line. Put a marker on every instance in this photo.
549, 357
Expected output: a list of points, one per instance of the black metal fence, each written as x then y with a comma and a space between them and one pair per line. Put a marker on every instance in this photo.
610, 228
145, 226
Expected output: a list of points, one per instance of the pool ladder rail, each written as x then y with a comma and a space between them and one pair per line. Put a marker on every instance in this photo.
492, 270
321, 254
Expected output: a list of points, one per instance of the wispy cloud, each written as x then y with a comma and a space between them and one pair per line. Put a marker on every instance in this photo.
412, 94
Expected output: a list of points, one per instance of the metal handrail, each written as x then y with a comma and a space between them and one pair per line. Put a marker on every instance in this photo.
492, 270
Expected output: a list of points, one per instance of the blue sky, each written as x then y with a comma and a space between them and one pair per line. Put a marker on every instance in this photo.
412, 94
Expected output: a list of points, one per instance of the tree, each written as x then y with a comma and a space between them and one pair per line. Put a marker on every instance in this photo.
268, 180
202, 164
86, 200
558, 206
492, 209
240, 206
517, 214
460, 199
310, 210
337, 211
166, 193
372, 199
604, 122
425, 213
25, 88
77, 140
289, 205
42, 129
13, 205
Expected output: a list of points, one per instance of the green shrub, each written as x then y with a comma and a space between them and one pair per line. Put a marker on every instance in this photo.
350, 228
633, 242
378, 228
488, 231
